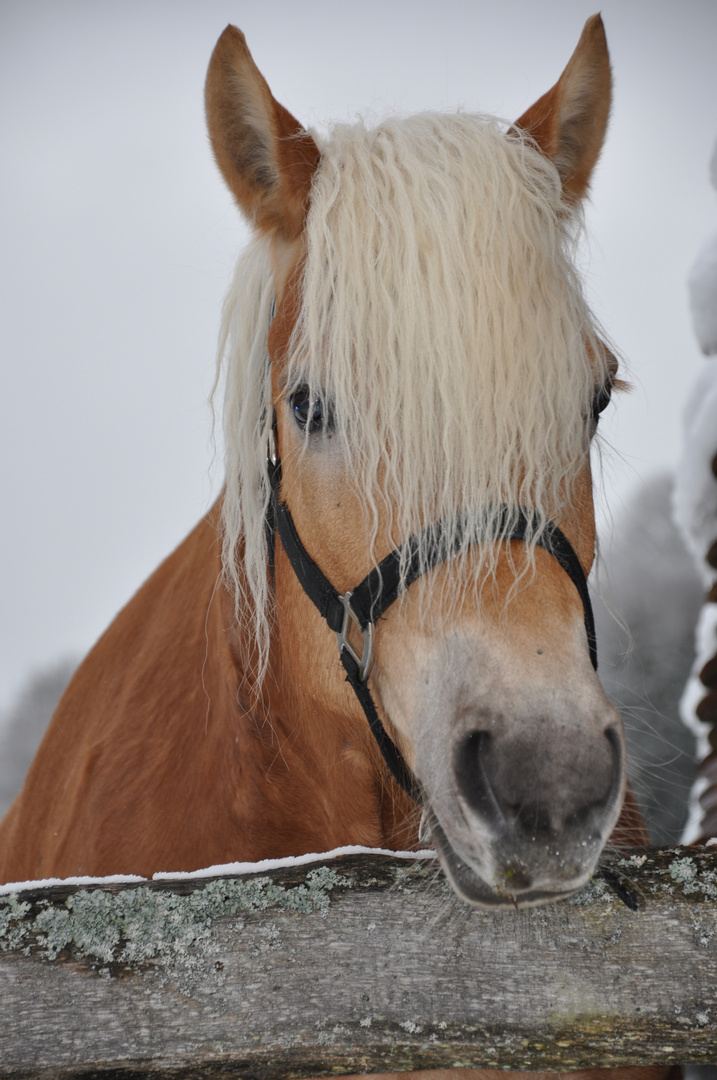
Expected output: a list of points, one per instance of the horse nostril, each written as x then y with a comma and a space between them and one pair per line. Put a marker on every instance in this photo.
613, 737
472, 778
540, 788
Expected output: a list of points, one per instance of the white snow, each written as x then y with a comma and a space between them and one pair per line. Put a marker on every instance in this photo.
695, 499
693, 826
713, 166
702, 285
695, 484
234, 869
705, 648
262, 867
46, 883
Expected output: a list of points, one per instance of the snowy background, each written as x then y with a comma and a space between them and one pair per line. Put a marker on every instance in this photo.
696, 512
117, 239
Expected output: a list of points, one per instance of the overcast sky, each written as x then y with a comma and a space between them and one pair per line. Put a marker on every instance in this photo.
117, 240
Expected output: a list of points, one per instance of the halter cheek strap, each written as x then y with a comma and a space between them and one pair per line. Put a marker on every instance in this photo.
365, 604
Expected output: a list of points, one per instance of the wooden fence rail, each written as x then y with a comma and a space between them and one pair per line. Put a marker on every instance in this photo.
363, 963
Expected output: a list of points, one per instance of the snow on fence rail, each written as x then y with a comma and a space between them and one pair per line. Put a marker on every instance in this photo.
356, 964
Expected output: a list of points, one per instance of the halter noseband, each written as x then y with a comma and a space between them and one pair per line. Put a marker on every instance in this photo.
365, 604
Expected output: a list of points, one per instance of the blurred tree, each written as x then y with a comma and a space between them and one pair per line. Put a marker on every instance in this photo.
25, 725
649, 596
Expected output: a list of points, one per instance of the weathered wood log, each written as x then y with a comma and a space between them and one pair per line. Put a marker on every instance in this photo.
359, 964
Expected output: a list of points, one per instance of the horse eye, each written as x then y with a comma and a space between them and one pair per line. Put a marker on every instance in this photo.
601, 400
308, 412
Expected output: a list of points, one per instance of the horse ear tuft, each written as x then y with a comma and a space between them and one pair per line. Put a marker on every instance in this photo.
569, 122
265, 155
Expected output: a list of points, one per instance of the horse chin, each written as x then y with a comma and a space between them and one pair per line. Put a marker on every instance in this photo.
473, 888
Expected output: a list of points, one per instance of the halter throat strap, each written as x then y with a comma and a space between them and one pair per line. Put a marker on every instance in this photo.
365, 604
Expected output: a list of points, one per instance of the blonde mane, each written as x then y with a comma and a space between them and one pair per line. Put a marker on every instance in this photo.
443, 321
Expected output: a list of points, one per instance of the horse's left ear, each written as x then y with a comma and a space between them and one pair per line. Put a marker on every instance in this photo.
265, 155
569, 122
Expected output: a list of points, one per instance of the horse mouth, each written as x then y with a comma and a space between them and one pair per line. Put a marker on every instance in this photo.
473, 888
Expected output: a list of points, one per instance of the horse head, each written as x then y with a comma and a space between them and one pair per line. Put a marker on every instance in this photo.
412, 344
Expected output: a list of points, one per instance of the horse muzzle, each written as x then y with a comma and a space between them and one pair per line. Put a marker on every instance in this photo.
520, 812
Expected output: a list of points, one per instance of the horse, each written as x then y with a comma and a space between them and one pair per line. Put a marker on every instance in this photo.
381, 631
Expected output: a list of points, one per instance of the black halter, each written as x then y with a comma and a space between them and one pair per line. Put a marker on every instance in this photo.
365, 604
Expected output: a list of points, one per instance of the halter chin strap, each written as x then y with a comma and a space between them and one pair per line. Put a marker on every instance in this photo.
365, 604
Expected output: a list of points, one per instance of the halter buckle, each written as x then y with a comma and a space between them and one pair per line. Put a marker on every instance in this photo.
271, 448
364, 661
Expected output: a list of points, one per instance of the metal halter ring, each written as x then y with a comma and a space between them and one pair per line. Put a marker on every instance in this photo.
364, 661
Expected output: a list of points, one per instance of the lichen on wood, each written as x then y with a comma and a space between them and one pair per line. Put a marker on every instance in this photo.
124, 929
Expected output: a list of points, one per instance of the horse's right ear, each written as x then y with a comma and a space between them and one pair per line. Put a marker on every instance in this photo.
265, 155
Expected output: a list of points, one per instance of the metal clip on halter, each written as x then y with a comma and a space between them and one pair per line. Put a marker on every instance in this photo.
271, 448
364, 661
